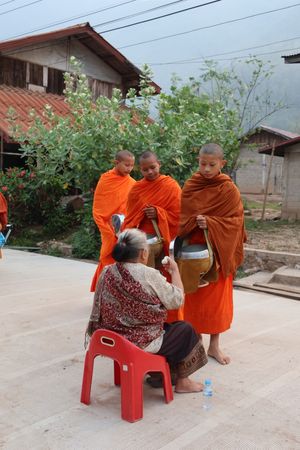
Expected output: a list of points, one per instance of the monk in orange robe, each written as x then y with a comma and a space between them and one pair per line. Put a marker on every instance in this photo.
3, 212
111, 198
157, 197
210, 200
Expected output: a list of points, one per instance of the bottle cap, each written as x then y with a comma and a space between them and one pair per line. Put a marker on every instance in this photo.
207, 382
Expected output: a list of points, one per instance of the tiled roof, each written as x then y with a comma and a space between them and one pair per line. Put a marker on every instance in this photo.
23, 101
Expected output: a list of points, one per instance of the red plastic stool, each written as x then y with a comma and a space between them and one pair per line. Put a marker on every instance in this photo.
130, 366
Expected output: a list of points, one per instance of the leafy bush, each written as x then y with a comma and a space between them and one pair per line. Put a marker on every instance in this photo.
86, 240
72, 151
19, 187
30, 199
59, 222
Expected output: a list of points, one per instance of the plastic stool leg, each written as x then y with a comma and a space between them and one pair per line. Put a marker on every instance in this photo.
117, 376
131, 396
87, 379
168, 390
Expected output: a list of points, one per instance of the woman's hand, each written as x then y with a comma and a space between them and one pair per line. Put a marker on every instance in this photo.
201, 222
169, 264
150, 212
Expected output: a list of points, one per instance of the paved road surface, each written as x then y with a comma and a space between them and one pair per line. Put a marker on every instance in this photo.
44, 307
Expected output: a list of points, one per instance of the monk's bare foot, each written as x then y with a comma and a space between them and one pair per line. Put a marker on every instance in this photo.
218, 356
185, 386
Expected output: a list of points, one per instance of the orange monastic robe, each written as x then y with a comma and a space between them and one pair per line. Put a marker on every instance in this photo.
164, 194
3, 212
210, 308
110, 198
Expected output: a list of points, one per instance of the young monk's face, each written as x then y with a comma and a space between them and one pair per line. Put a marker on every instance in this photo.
210, 165
150, 168
124, 166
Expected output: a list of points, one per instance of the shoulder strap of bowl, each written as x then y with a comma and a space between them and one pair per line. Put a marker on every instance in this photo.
155, 226
209, 248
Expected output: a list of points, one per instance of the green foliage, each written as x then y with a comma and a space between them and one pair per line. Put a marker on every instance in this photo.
54, 252
267, 225
252, 204
240, 274
72, 151
86, 240
30, 199
19, 188
247, 93
59, 222
188, 120
26, 237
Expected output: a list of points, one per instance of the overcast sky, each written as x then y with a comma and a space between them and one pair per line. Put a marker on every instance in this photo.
235, 37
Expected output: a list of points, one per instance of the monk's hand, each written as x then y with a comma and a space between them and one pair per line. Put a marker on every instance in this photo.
201, 221
150, 212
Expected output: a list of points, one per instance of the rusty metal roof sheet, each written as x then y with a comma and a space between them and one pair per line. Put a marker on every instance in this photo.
292, 59
23, 101
280, 148
282, 133
288, 56
91, 39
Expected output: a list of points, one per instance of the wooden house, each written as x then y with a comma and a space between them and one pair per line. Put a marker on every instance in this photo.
32, 74
289, 152
251, 176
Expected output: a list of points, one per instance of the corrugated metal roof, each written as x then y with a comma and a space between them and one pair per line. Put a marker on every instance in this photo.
280, 148
279, 132
291, 56
23, 101
91, 39
292, 59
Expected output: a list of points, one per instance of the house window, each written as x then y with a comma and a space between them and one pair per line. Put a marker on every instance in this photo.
56, 82
12, 72
35, 74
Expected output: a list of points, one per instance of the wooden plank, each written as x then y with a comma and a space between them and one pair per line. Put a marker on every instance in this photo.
267, 291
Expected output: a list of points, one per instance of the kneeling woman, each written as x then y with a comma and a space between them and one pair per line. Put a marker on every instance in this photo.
132, 300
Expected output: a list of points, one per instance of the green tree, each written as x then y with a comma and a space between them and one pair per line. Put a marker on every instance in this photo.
245, 90
188, 120
74, 150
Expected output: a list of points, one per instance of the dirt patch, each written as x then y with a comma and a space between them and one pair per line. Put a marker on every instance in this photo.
284, 238
271, 234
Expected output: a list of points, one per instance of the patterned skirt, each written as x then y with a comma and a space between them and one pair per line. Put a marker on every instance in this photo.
182, 348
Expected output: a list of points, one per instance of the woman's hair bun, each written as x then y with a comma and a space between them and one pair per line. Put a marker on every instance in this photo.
129, 244
120, 252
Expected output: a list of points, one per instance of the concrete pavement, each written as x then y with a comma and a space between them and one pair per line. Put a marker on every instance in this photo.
44, 307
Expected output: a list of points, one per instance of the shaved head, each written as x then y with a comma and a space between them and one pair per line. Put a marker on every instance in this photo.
123, 154
148, 154
212, 149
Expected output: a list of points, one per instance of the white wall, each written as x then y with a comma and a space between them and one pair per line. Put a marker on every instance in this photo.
291, 192
251, 177
56, 55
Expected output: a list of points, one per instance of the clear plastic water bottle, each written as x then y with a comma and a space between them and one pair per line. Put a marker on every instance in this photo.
207, 394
